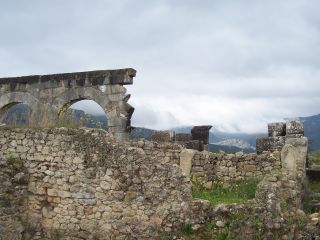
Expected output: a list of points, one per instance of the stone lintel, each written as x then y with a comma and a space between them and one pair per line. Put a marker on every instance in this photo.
118, 76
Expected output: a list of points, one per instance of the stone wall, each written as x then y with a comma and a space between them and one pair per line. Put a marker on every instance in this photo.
228, 167
197, 139
211, 166
81, 186
167, 151
75, 184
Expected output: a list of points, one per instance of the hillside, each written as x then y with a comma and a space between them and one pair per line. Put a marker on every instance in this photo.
312, 130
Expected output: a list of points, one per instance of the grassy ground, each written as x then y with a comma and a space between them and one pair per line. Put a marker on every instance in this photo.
314, 158
310, 188
238, 192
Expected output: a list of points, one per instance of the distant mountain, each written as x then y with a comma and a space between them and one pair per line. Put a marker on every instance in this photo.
228, 149
228, 142
20, 113
312, 130
17, 115
139, 132
238, 143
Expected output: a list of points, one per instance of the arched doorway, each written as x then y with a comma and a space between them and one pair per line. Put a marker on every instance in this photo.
16, 114
83, 113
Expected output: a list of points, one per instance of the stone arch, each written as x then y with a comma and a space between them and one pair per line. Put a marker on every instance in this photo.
10, 99
118, 112
64, 110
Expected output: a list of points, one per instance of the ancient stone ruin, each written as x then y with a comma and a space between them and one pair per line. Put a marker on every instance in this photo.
60, 183
198, 139
278, 133
49, 96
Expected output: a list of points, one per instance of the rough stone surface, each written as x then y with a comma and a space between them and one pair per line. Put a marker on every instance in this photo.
85, 187
269, 144
183, 137
76, 184
163, 136
276, 129
277, 135
201, 133
294, 128
49, 96
229, 167
186, 157
294, 155
194, 144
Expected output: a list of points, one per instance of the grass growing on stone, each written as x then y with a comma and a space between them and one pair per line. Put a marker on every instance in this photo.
238, 192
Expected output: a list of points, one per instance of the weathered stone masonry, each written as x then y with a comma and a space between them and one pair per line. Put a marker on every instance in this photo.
212, 166
76, 183
86, 187
49, 96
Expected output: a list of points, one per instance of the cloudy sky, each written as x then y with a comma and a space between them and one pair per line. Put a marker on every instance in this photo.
235, 64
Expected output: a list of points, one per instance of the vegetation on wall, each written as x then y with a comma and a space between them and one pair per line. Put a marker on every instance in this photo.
233, 192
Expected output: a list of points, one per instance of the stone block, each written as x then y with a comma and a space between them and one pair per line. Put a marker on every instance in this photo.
269, 144
186, 157
194, 144
201, 133
163, 136
183, 137
294, 127
276, 129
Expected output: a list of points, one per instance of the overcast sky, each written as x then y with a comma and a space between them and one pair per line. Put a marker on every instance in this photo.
234, 64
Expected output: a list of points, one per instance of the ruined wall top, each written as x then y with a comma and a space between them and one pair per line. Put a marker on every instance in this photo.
99, 77
278, 133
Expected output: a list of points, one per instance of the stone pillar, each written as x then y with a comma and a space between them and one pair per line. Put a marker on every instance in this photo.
201, 133
294, 156
186, 157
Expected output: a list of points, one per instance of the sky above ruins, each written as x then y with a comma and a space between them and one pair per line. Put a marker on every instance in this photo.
233, 64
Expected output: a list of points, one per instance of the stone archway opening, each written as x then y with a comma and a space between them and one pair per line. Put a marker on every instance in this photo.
83, 112
16, 114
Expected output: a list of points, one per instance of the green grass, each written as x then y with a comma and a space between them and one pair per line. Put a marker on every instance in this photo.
310, 187
314, 158
239, 192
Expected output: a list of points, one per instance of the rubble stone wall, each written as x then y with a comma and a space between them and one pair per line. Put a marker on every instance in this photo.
226, 167
81, 186
212, 166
